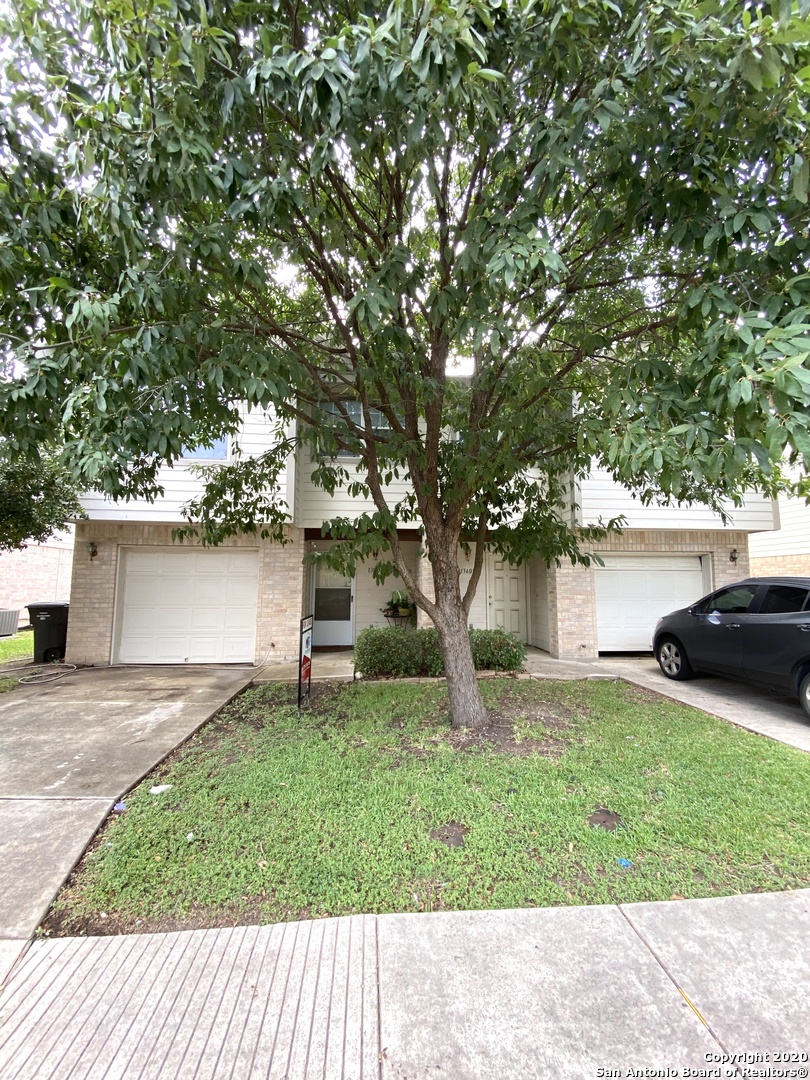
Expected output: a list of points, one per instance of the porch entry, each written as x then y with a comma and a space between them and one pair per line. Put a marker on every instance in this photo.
333, 608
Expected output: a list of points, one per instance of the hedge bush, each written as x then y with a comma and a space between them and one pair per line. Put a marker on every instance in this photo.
402, 653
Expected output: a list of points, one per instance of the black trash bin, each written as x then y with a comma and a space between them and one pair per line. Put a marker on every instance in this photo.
49, 622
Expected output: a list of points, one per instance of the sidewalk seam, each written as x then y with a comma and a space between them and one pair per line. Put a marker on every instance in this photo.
671, 977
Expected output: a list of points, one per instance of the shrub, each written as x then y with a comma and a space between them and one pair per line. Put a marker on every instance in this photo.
402, 653
496, 650
397, 651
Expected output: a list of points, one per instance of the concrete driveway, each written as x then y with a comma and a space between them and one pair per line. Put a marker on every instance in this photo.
68, 751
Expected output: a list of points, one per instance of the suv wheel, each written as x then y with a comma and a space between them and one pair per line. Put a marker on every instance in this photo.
804, 693
673, 660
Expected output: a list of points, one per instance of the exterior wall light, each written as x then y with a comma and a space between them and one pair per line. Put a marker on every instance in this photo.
733, 555
92, 550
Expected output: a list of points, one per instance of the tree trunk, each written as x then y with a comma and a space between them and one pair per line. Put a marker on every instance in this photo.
466, 705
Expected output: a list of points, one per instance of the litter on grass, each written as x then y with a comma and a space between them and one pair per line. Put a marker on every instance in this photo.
158, 789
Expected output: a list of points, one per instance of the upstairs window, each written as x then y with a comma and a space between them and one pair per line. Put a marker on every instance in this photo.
333, 417
216, 451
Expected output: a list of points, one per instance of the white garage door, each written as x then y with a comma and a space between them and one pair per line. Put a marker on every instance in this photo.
634, 591
188, 607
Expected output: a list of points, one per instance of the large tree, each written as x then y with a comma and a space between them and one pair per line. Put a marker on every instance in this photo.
478, 243
37, 497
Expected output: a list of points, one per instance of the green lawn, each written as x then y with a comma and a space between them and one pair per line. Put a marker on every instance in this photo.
13, 648
271, 818
20, 646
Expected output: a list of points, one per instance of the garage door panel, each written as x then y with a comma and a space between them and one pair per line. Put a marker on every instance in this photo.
242, 562
141, 620
633, 592
207, 620
235, 621
144, 562
171, 648
167, 589
188, 607
208, 650
240, 590
236, 646
139, 651
210, 590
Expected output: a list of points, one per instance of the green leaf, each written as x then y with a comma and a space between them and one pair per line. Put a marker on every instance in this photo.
800, 181
419, 45
752, 72
199, 60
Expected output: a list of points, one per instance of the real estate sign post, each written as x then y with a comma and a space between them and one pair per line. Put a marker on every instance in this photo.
305, 663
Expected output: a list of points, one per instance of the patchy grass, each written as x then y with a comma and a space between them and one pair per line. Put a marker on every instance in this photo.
372, 803
17, 647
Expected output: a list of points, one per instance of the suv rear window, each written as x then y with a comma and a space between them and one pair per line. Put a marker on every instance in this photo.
782, 599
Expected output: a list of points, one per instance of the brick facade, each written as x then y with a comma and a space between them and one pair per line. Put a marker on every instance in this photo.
780, 565
572, 589
39, 573
91, 625
283, 591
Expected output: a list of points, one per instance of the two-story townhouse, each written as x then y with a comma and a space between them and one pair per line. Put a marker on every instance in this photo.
139, 598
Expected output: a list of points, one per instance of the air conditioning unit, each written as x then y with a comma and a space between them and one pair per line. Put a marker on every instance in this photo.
8, 622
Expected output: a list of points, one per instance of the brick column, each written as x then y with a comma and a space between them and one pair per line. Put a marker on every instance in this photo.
572, 612
92, 595
281, 599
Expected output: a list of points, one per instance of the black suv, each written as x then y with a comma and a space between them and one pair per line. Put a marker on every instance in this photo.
758, 630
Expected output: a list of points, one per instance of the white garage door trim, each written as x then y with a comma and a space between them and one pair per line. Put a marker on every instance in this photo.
187, 606
634, 591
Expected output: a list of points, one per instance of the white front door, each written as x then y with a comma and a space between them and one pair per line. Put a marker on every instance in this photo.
506, 597
333, 608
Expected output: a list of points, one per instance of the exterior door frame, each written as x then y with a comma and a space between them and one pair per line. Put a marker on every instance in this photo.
353, 602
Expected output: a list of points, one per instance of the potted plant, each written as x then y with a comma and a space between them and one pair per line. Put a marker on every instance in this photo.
400, 606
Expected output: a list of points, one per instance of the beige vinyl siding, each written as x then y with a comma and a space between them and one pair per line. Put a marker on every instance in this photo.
600, 496
180, 484
313, 506
791, 538
369, 597
478, 611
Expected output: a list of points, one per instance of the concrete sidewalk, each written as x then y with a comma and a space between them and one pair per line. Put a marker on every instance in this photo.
485, 995
68, 751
